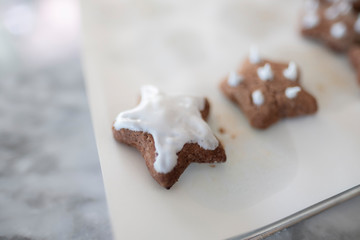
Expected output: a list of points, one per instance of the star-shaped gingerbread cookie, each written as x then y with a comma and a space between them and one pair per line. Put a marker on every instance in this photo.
335, 23
267, 91
170, 132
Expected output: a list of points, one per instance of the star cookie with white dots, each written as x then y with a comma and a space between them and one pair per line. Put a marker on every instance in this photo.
267, 91
335, 23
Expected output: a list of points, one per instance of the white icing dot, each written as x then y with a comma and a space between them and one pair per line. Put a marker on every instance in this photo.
257, 97
310, 20
338, 30
172, 121
265, 73
344, 7
357, 24
291, 92
311, 4
331, 12
254, 55
234, 79
291, 72
340, 8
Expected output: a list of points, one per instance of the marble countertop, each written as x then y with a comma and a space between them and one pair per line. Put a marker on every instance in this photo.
339, 222
50, 178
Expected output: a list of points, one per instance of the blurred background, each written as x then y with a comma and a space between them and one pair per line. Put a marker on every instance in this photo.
50, 178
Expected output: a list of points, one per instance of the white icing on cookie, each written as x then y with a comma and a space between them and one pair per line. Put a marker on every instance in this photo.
254, 56
291, 72
344, 7
172, 121
341, 8
234, 79
338, 30
357, 24
257, 97
310, 20
331, 12
291, 92
265, 73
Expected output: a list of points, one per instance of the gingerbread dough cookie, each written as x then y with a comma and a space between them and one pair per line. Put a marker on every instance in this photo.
267, 91
334, 23
356, 5
170, 132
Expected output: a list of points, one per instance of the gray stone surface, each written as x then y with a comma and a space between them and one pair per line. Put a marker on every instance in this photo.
341, 222
50, 178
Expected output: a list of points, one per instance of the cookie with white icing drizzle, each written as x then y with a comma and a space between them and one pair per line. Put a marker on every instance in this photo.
334, 23
269, 91
170, 132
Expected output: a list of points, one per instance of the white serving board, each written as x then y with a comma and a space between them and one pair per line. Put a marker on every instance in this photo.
188, 47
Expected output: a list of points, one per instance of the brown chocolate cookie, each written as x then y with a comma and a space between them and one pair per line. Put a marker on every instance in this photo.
170, 133
267, 91
356, 5
334, 23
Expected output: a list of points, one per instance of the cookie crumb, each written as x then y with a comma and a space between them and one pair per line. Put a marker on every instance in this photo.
221, 130
212, 165
233, 136
320, 88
